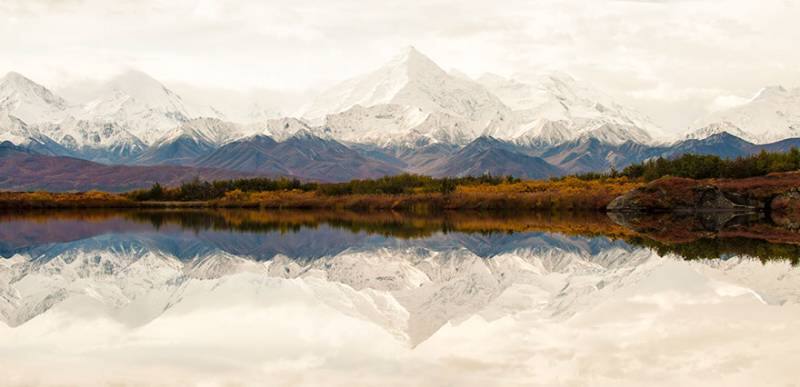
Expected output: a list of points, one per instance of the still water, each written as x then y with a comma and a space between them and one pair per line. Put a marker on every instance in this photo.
213, 298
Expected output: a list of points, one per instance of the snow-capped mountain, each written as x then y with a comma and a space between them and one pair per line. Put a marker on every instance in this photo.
140, 104
207, 130
30, 114
15, 130
409, 114
103, 141
773, 114
487, 155
278, 128
410, 96
131, 112
189, 141
303, 153
716, 128
555, 108
29, 101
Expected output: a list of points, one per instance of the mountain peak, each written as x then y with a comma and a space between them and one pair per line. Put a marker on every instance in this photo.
485, 142
145, 107
379, 87
486, 139
18, 81
723, 136
559, 76
411, 53
771, 92
134, 75
28, 100
136, 84
304, 134
771, 115
410, 50
415, 62
15, 77
146, 91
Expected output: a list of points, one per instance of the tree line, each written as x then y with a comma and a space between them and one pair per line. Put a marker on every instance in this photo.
687, 165
200, 190
706, 167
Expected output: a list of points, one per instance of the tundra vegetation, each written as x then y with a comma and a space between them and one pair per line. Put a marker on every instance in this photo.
422, 193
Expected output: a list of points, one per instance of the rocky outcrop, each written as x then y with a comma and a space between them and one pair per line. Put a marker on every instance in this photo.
677, 194
683, 227
785, 209
775, 196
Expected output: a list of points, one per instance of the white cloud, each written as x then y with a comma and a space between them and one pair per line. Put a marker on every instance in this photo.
723, 102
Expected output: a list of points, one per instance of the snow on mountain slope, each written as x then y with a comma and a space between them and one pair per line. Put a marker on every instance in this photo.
140, 104
15, 130
207, 130
24, 105
771, 115
190, 141
29, 101
487, 155
376, 88
556, 108
714, 129
132, 112
392, 102
411, 98
279, 129
375, 124
109, 141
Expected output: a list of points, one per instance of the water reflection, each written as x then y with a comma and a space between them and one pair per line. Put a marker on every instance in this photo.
337, 298
313, 234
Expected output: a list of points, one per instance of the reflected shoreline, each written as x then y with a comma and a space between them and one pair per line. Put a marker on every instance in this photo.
691, 235
260, 287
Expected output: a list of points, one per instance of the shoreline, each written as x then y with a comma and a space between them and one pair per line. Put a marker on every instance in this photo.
773, 193
569, 195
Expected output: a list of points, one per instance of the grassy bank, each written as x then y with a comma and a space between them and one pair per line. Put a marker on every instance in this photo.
430, 195
386, 223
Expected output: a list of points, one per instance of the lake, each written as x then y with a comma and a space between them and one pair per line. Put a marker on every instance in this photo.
228, 298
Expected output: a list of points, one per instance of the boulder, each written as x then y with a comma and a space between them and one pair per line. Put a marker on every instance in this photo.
784, 209
677, 194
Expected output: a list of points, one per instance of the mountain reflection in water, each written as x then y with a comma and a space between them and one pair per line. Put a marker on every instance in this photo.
340, 298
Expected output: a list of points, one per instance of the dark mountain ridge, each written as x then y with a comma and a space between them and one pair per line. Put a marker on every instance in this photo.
310, 157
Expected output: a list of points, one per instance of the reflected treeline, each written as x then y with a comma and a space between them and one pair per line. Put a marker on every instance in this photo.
713, 248
711, 235
695, 236
385, 223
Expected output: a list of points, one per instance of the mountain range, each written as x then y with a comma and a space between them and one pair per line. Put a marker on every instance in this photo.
406, 116
24, 170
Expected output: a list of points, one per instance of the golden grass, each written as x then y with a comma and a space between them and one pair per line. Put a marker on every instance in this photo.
565, 194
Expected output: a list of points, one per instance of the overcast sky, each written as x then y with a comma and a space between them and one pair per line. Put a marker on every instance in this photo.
672, 59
